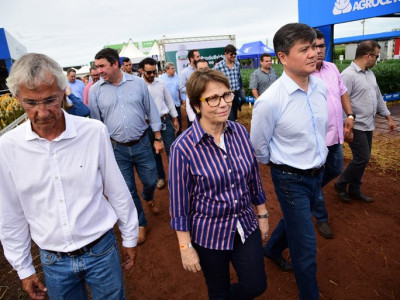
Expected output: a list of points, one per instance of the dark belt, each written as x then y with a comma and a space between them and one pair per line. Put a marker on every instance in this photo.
131, 143
80, 251
164, 117
286, 168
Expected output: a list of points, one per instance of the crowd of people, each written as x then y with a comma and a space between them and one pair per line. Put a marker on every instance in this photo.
66, 180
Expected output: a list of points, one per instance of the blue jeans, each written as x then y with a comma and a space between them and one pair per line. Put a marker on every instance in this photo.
248, 262
333, 168
99, 268
168, 136
296, 195
139, 157
361, 150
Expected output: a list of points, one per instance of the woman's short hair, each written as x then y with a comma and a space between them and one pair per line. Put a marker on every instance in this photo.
197, 84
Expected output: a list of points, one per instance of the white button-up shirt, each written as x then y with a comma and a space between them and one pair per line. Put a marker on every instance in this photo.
63, 193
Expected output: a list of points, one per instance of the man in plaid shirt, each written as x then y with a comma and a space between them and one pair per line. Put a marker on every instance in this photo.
231, 68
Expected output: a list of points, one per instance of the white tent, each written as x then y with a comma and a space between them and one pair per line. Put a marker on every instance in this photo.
83, 71
131, 51
154, 51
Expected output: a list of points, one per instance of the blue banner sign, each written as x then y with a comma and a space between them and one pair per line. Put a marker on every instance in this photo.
326, 12
391, 97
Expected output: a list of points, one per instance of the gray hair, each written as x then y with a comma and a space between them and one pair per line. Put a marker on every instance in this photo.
169, 65
33, 69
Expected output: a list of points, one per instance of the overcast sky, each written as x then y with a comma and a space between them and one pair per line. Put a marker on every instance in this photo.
73, 31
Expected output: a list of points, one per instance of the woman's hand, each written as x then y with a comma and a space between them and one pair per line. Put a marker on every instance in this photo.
190, 260
264, 228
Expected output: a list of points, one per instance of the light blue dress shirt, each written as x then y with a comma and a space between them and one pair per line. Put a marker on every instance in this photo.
123, 108
184, 76
172, 83
289, 124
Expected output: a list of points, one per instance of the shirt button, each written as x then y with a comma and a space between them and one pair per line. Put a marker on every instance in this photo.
56, 177
233, 185
235, 215
230, 171
235, 201
225, 156
65, 224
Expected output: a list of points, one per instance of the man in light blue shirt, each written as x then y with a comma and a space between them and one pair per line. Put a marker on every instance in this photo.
76, 86
288, 132
172, 82
122, 102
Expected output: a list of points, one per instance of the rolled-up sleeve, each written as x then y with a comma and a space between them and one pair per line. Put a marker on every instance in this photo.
180, 185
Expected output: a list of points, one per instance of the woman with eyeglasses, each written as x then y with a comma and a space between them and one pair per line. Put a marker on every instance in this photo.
214, 184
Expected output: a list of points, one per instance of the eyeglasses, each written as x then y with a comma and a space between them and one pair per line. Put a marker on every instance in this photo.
151, 72
233, 54
47, 102
376, 56
215, 100
321, 46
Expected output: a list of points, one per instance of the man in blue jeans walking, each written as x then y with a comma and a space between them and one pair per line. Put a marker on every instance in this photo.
338, 100
61, 187
288, 131
122, 102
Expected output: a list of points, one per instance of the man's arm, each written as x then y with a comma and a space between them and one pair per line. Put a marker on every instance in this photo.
120, 199
262, 128
391, 123
93, 104
346, 105
255, 93
14, 233
253, 85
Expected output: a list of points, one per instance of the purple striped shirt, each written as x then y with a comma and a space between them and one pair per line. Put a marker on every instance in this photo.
210, 189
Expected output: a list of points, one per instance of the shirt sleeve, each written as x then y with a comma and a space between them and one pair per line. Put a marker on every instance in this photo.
14, 228
253, 81
180, 186
182, 84
347, 80
255, 185
170, 102
86, 94
382, 109
262, 127
342, 87
117, 192
151, 109
93, 104
189, 111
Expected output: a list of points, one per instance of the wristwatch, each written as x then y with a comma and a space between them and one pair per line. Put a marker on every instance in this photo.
158, 140
265, 216
353, 116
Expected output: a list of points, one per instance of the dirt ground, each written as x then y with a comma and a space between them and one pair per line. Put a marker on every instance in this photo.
361, 262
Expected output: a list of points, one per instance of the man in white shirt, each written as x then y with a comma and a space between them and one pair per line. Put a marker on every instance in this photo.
166, 108
58, 176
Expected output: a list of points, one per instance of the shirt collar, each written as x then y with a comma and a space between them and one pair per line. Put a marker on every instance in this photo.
356, 67
69, 132
292, 86
199, 133
125, 77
